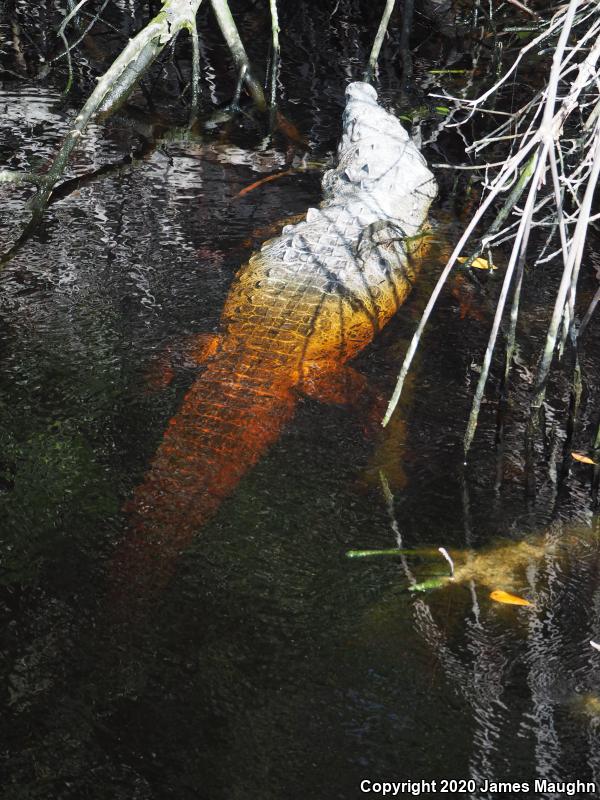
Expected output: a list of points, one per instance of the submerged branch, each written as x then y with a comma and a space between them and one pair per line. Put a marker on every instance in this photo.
111, 89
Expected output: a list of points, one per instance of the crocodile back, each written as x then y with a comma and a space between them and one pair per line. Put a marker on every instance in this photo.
334, 279
319, 292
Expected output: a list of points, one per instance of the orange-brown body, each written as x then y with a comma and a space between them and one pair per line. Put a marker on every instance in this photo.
303, 306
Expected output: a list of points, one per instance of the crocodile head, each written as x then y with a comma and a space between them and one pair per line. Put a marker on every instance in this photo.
380, 171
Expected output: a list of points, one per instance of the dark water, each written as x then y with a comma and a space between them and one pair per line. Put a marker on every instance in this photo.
272, 666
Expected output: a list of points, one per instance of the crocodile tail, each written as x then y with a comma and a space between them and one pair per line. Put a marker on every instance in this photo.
221, 430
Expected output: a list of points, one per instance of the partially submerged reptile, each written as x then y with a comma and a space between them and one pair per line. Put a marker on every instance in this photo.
301, 307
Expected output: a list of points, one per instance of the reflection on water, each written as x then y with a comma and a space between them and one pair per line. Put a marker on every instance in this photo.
271, 665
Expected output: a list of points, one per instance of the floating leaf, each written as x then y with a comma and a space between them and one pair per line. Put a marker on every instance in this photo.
584, 459
500, 596
477, 263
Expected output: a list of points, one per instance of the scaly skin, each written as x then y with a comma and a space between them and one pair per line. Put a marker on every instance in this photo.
306, 303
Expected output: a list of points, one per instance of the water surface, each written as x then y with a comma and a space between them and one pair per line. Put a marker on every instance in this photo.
271, 666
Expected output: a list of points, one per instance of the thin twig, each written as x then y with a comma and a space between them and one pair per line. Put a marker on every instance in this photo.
275, 57
385, 18
238, 51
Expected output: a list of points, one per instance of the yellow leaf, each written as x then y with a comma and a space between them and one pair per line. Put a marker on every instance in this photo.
500, 596
583, 459
478, 263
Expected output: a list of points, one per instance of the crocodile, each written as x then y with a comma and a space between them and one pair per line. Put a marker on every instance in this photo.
298, 310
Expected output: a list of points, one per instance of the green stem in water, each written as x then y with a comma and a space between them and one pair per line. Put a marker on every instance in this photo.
427, 552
